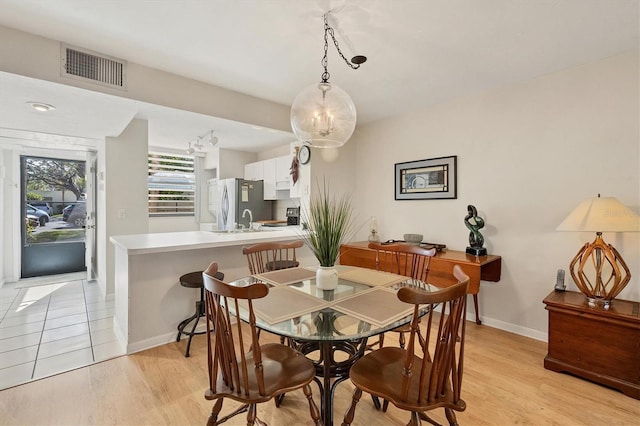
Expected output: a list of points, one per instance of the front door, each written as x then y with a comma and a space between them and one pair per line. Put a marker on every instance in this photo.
53, 227
91, 219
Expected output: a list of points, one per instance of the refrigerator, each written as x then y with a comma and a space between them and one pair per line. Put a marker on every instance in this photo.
237, 195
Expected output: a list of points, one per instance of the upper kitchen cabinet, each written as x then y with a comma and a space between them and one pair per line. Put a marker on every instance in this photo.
276, 178
283, 170
269, 170
275, 173
254, 171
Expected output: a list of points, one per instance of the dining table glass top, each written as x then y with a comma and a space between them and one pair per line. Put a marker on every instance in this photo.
364, 304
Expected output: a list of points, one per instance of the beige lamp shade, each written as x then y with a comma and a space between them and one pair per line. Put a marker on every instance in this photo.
598, 269
601, 215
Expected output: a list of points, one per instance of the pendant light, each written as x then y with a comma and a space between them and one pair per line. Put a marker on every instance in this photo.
323, 115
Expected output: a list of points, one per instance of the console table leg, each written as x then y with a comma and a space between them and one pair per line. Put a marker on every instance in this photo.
475, 304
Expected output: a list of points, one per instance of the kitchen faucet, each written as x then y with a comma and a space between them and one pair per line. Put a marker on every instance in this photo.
250, 217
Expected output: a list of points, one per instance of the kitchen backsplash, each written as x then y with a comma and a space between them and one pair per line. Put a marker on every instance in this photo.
280, 207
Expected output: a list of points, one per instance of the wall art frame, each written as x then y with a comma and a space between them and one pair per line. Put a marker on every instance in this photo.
429, 179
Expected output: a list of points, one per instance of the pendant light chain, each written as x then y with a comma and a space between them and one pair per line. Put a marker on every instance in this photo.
323, 115
325, 61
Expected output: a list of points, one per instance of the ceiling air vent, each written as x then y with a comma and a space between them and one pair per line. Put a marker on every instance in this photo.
90, 66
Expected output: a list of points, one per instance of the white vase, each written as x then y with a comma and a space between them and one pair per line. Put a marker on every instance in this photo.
327, 278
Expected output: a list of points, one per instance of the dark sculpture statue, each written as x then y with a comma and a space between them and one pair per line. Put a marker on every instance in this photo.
474, 223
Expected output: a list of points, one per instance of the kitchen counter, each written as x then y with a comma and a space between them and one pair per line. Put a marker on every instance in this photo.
192, 240
149, 300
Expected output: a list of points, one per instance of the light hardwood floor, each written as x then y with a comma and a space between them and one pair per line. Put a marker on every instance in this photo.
504, 384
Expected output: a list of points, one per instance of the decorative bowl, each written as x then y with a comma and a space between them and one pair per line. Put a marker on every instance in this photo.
413, 238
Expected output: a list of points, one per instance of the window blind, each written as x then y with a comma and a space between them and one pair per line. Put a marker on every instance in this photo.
172, 184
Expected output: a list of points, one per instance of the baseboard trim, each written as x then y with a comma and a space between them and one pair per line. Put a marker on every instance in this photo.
163, 339
512, 328
505, 326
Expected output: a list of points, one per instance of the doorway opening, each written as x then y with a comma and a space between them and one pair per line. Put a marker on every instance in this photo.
54, 208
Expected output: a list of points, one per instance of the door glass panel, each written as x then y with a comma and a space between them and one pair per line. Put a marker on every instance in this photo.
54, 214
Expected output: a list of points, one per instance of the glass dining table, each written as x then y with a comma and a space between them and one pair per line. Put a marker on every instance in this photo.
331, 327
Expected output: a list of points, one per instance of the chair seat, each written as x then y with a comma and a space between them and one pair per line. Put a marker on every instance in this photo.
281, 264
380, 374
284, 369
192, 280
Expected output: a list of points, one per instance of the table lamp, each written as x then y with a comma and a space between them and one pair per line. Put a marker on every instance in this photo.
598, 269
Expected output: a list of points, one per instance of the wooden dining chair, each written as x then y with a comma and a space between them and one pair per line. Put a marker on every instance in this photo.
413, 383
273, 256
265, 257
402, 259
247, 376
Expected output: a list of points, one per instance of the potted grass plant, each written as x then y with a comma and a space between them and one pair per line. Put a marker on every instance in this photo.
329, 221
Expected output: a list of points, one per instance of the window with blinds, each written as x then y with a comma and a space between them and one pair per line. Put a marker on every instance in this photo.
172, 184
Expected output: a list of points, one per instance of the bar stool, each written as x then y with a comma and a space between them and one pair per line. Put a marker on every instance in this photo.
194, 280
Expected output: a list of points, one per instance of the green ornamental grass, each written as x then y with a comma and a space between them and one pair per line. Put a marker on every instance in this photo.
330, 223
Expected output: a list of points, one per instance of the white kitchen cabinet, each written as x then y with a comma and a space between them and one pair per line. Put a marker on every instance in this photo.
283, 178
275, 174
269, 169
254, 171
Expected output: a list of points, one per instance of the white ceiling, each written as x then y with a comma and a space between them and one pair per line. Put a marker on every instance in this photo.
420, 52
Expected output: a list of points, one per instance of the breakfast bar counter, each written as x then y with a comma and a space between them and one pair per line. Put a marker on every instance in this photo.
193, 240
149, 300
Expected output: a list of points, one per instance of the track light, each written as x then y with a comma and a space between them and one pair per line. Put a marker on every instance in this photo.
197, 145
190, 150
213, 140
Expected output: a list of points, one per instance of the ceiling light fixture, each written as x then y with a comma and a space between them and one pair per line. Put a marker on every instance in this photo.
42, 107
323, 114
213, 140
190, 150
196, 145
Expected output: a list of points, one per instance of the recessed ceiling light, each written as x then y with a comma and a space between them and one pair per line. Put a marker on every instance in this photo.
39, 106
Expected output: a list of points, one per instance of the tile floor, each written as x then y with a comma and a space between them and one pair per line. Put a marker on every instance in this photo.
48, 329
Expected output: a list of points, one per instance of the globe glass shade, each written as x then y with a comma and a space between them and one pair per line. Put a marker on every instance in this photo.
323, 115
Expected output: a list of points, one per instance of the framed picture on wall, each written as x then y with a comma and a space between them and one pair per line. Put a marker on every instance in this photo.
431, 179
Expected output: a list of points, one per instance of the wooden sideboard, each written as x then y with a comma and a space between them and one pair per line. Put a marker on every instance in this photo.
601, 345
486, 268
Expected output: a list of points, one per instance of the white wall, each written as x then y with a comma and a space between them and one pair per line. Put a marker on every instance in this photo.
336, 168
273, 152
126, 190
232, 163
3, 171
43, 62
174, 224
527, 155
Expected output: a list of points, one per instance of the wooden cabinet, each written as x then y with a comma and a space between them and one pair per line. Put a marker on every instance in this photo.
601, 345
486, 268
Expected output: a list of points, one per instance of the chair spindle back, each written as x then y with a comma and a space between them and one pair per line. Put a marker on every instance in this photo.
443, 374
227, 351
265, 257
403, 259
